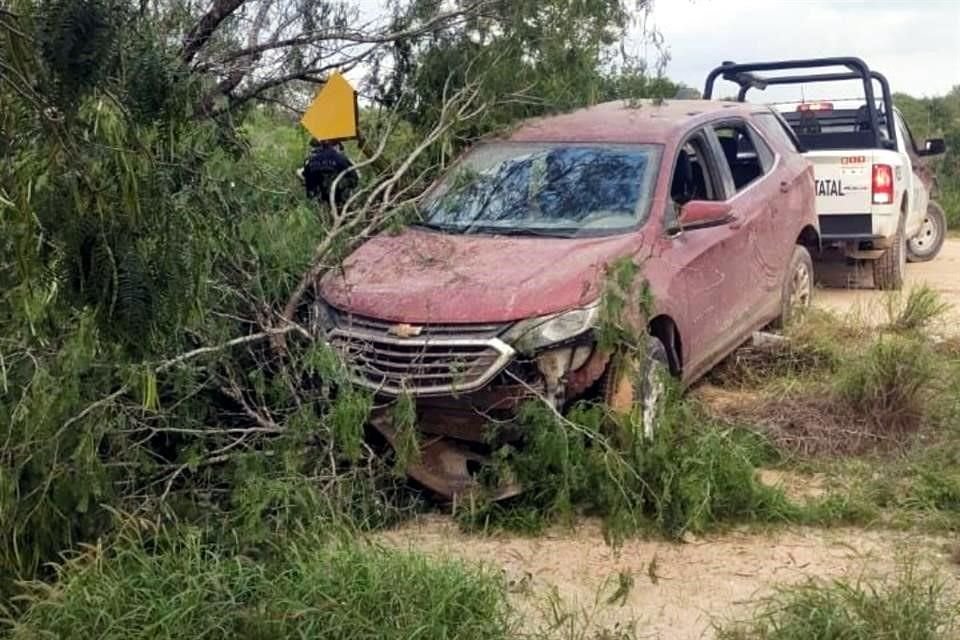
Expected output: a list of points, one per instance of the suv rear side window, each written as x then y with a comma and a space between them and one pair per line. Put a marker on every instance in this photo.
747, 155
776, 129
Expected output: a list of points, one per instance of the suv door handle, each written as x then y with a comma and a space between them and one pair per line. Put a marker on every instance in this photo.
784, 186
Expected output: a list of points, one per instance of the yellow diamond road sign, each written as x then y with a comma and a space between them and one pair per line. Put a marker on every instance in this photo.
333, 113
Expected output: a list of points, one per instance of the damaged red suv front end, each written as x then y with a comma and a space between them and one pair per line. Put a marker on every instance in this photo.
485, 306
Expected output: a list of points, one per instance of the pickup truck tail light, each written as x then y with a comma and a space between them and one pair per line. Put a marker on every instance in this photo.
882, 184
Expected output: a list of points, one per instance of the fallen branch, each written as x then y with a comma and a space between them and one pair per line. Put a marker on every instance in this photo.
166, 365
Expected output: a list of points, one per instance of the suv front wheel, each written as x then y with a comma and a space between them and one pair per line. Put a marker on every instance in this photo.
636, 385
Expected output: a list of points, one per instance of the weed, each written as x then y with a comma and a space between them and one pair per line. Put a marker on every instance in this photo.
832, 388
890, 383
917, 312
910, 605
347, 418
179, 585
562, 620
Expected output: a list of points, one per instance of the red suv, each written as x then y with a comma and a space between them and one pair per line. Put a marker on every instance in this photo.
493, 297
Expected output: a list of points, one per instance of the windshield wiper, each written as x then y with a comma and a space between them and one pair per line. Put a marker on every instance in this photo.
521, 231
433, 226
474, 229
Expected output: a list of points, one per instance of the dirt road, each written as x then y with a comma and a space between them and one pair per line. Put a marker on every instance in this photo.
849, 289
679, 591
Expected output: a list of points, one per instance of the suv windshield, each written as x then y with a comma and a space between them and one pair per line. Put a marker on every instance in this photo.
546, 189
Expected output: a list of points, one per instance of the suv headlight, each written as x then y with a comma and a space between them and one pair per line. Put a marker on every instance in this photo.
528, 336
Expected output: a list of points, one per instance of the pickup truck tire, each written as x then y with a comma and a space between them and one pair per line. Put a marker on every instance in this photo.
925, 246
889, 268
797, 291
635, 386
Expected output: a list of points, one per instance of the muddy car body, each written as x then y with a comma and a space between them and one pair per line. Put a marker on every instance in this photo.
494, 299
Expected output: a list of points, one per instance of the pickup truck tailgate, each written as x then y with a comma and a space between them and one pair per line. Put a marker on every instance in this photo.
843, 188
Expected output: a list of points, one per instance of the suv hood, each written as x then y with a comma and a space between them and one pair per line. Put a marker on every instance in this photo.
424, 276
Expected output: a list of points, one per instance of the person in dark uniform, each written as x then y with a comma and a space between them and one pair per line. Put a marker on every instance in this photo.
325, 162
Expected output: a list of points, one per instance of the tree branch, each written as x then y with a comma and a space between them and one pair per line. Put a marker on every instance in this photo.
201, 32
356, 36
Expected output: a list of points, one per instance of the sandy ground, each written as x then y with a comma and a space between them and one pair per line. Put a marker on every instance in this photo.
849, 289
680, 591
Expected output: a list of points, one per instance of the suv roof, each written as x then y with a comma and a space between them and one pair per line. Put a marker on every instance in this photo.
641, 121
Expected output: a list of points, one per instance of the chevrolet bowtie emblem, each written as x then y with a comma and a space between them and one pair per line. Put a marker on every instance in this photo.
404, 330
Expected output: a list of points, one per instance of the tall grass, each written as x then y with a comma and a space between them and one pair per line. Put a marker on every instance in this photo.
921, 307
890, 383
908, 605
180, 586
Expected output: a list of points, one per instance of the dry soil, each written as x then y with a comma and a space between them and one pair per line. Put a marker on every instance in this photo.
849, 289
680, 590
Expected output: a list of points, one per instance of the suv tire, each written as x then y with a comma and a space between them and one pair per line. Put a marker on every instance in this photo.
797, 291
637, 389
889, 268
925, 246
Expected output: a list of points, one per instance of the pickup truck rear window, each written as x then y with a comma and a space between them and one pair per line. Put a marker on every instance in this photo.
836, 128
546, 189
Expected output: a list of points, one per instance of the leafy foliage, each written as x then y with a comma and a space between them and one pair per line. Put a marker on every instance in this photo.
691, 477
939, 117
542, 57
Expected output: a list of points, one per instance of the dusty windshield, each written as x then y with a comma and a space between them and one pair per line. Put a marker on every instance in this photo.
546, 189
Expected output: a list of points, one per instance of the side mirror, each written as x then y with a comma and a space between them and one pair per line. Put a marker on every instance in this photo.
933, 147
704, 213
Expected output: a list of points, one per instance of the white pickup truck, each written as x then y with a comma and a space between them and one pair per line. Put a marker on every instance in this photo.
873, 189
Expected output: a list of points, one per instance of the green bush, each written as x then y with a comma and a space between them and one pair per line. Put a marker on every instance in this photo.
180, 586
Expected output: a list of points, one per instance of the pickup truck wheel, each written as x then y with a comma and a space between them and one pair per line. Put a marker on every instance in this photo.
636, 386
797, 290
889, 269
925, 246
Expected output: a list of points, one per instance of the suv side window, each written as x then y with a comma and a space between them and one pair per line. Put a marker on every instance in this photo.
695, 177
745, 152
776, 129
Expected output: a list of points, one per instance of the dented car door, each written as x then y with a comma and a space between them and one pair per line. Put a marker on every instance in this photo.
708, 258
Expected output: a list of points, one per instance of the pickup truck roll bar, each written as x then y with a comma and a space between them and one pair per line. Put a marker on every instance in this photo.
745, 76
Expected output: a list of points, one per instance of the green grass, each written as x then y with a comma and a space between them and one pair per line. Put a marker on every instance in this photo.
181, 587
908, 605
950, 201
874, 411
